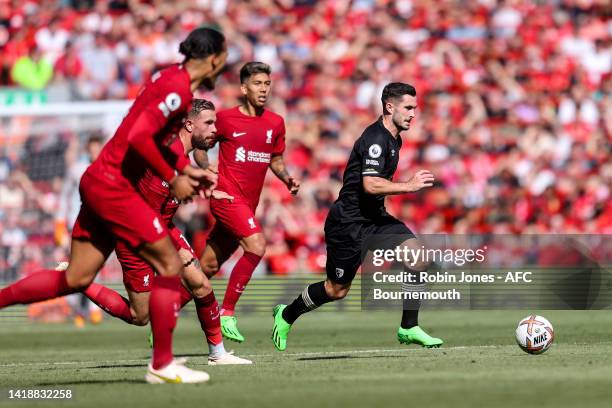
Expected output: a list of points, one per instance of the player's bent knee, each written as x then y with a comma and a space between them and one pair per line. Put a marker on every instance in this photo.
141, 319
255, 244
200, 287
339, 294
78, 282
337, 291
210, 269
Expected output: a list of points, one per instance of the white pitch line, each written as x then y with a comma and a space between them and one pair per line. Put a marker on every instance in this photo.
279, 354
341, 352
305, 354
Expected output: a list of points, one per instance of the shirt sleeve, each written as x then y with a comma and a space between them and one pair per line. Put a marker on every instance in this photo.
221, 125
279, 139
177, 152
373, 151
161, 107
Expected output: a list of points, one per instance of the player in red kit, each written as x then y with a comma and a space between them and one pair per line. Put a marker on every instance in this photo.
197, 132
251, 140
112, 209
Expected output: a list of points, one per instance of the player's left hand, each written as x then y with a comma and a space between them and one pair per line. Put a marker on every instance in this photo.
293, 185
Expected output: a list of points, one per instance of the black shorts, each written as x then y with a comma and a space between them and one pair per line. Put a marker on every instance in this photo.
348, 244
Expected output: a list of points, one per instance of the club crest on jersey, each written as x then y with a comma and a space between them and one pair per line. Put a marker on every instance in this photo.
339, 272
240, 154
145, 280
269, 136
374, 151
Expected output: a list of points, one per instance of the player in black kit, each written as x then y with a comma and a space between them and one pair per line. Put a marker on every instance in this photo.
359, 215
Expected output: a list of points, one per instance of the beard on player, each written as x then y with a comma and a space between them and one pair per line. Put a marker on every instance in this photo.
204, 142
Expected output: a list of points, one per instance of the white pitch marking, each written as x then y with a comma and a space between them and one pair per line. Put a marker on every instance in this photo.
305, 354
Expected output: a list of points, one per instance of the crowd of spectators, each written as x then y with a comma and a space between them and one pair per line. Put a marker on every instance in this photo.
514, 116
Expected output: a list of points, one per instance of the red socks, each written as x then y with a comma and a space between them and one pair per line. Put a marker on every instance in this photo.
185, 296
208, 313
239, 278
110, 301
164, 307
44, 285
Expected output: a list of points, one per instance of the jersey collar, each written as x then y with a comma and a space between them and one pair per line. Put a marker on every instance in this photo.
381, 125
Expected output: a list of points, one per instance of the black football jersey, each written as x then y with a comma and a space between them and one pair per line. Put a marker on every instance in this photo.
375, 154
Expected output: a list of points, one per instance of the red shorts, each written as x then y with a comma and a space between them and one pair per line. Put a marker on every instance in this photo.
236, 217
137, 273
111, 213
223, 239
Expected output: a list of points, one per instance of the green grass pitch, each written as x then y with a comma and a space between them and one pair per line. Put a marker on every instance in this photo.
333, 359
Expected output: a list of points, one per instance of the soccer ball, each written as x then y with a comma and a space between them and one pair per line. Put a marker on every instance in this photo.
534, 334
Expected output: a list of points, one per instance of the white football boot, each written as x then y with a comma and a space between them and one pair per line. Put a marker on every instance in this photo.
175, 373
227, 358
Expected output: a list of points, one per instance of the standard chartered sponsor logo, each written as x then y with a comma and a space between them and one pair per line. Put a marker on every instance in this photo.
258, 157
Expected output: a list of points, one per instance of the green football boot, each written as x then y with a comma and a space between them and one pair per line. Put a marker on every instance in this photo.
281, 328
417, 335
229, 329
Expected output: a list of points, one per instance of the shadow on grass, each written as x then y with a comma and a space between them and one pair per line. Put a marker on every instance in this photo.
86, 382
347, 357
114, 366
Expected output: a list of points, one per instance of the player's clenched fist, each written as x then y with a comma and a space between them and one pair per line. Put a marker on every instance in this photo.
422, 179
210, 179
293, 185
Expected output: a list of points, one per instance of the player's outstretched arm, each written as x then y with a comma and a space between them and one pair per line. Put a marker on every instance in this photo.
382, 186
277, 165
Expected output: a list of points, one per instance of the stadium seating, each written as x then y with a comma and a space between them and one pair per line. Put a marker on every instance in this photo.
514, 119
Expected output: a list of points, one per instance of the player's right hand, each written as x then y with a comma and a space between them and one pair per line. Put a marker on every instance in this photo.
182, 187
422, 179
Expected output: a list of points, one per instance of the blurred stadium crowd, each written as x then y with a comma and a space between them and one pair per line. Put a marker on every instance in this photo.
514, 119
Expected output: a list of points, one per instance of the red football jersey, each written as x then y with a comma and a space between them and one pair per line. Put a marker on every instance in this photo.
160, 106
155, 190
246, 146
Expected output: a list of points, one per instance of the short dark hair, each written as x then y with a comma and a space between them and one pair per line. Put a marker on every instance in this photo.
95, 138
202, 42
254, 67
199, 105
396, 90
